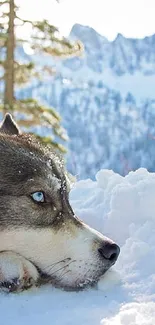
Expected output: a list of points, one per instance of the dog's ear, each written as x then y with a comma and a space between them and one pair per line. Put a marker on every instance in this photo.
9, 126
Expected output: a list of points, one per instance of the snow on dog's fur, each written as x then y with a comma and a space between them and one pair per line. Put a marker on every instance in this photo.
41, 239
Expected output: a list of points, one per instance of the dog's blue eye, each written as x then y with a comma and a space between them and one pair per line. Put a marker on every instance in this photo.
38, 196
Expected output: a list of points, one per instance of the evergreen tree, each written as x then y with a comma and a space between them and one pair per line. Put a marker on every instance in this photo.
44, 39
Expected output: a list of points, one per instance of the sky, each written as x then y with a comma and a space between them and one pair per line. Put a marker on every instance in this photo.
132, 18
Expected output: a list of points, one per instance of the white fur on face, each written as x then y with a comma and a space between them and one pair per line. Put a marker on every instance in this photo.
72, 260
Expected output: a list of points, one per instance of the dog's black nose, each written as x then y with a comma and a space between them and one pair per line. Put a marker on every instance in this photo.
109, 251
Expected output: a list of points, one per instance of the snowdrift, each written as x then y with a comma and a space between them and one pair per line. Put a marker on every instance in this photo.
122, 208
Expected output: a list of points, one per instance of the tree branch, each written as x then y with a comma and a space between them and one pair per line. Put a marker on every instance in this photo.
3, 2
24, 21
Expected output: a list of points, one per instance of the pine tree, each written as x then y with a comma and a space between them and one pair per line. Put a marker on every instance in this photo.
29, 112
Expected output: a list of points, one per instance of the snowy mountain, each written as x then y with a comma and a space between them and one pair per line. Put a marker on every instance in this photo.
106, 100
123, 55
115, 63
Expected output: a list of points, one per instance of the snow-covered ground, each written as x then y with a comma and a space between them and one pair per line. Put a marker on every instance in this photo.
123, 208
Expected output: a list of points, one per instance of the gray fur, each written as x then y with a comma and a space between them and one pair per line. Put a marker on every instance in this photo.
25, 167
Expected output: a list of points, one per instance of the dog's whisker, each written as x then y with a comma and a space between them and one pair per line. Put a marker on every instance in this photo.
63, 267
53, 264
64, 273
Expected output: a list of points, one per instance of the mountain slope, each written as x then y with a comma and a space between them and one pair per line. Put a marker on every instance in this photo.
106, 99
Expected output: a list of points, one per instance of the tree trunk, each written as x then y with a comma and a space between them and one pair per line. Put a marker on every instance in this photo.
9, 63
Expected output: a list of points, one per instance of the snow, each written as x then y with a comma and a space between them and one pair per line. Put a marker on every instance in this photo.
134, 314
123, 209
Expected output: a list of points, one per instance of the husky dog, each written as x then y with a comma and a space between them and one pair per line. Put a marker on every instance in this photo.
41, 239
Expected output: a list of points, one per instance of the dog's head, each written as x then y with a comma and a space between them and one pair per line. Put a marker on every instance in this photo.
36, 219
